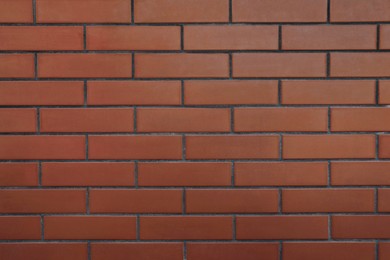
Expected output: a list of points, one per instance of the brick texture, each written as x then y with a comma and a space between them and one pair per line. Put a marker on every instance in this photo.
194, 129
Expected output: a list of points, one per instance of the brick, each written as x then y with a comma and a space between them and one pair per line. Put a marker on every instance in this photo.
178, 11
16, 11
87, 120
384, 146
360, 119
328, 92
139, 251
135, 147
81, 65
328, 146
362, 227
268, 11
328, 200
231, 201
359, 64
16, 66
325, 37
18, 174
231, 92
280, 174
89, 227
280, 119
183, 120
232, 251
20, 227
384, 92
226, 37
184, 174
18, 120
19, 147
88, 174
41, 38
269, 65
359, 11
384, 39
181, 65
232, 147
383, 200
282, 227
134, 93
135, 201
360, 173
186, 227
384, 250
43, 251
42, 201
133, 38
83, 11
45, 93
329, 250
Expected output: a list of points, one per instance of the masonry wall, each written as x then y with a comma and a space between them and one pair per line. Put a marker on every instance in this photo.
194, 129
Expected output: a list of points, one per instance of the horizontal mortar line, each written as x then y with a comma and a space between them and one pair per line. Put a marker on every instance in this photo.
206, 187
180, 214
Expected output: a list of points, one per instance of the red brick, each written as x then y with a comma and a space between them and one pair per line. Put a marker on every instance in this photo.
359, 64
12, 11
16, 66
328, 250
359, 11
139, 251
135, 147
20, 227
18, 174
89, 227
384, 146
282, 227
87, 120
19, 147
134, 93
88, 174
269, 65
384, 39
269, 11
81, 65
231, 92
232, 147
42, 201
43, 251
181, 65
41, 38
83, 11
281, 174
183, 120
383, 200
232, 251
45, 93
18, 120
360, 173
384, 92
328, 92
280, 119
133, 38
328, 200
384, 250
178, 11
231, 201
360, 119
184, 174
325, 37
362, 227
328, 146
236, 37
135, 201
186, 227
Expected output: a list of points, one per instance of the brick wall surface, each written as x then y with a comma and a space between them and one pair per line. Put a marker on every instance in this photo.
194, 129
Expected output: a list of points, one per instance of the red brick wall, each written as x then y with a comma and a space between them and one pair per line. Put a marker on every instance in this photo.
194, 129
